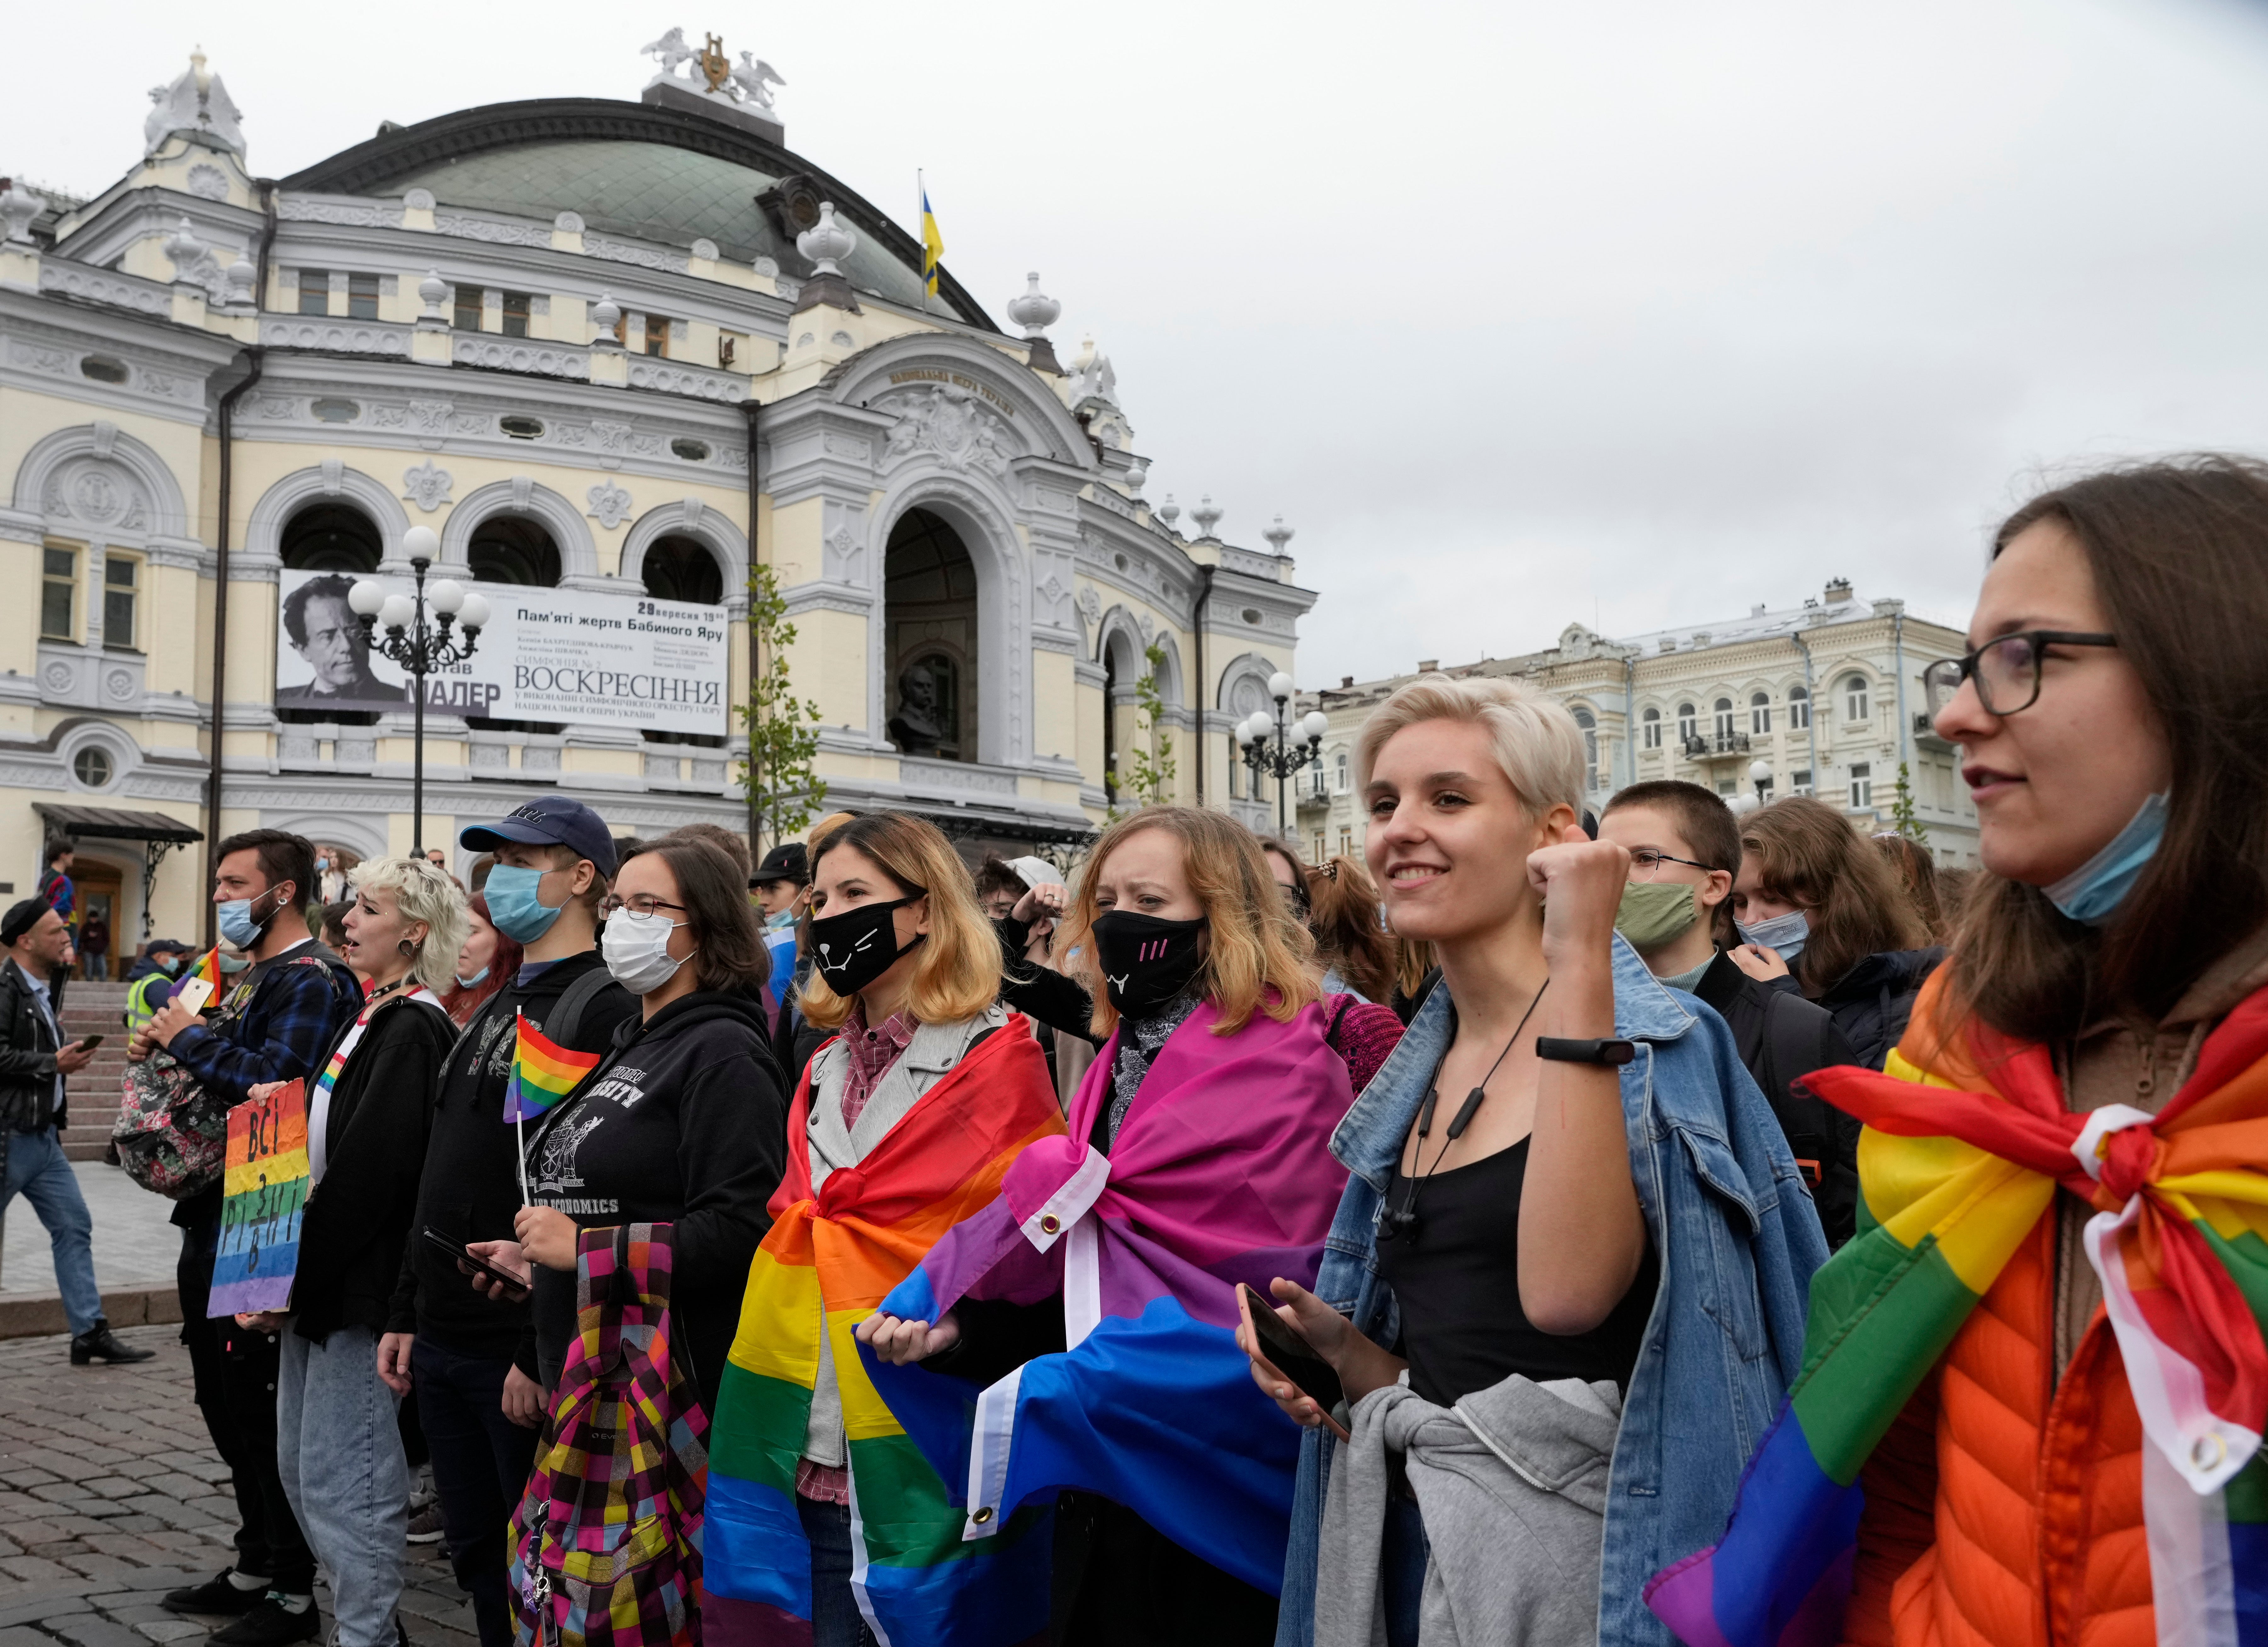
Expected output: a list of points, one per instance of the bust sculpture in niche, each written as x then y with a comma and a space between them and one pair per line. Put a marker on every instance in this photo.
916, 728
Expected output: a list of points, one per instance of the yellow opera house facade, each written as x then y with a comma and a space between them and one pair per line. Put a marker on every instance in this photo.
605, 353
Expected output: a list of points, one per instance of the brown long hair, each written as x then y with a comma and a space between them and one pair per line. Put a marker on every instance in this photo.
1256, 953
728, 950
1917, 872
1808, 854
2179, 551
957, 967
1343, 921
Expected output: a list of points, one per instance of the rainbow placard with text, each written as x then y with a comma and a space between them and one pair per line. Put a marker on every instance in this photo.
264, 1196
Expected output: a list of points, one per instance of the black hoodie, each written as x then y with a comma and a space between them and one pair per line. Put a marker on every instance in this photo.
469, 1190
684, 1123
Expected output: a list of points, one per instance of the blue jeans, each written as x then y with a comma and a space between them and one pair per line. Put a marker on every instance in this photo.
338, 1448
835, 1620
38, 1172
480, 1464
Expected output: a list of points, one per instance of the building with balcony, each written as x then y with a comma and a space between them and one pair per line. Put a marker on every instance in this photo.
606, 350
1826, 696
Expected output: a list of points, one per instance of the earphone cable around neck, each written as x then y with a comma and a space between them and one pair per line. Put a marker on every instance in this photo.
1404, 1218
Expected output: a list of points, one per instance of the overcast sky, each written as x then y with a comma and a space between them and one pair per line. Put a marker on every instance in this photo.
1518, 312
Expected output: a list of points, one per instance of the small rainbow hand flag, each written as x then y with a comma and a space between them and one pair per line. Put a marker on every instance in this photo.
543, 1073
208, 967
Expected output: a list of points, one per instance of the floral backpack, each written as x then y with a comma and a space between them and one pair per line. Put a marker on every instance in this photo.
171, 1134
606, 1543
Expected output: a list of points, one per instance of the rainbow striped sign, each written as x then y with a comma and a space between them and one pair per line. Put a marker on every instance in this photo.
543, 1073
264, 1196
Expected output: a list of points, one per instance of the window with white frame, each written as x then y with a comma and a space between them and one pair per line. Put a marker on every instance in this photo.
1339, 771
1862, 785
121, 578
1798, 709
1799, 782
1589, 723
1319, 784
1650, 729
1854, 698
1759, 713
1688, 725
314, 292
1723, 711
362, 296
59, 594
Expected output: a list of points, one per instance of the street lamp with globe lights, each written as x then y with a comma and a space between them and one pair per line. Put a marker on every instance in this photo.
1760, 773
1285, 758
420, 644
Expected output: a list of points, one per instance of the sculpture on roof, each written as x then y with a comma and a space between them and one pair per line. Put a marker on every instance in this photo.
751, 77
197, 103
671, 51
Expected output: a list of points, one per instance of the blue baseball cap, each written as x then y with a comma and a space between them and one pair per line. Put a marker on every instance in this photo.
546, 820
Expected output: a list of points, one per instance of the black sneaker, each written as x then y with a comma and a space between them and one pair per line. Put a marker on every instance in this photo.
215, 1595
427, 1526
272, 1624
99, 1343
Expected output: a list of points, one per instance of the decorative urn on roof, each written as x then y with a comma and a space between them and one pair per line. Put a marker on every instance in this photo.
1034, 311
824, 243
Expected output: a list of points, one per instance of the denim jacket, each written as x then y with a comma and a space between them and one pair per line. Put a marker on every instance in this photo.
1732, 1225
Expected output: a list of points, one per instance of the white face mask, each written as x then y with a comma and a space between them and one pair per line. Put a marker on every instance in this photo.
637, 953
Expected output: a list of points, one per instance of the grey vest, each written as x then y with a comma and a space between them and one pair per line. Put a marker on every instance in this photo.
928, 1058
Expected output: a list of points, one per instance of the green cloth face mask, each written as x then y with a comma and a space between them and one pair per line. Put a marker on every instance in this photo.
1655, 913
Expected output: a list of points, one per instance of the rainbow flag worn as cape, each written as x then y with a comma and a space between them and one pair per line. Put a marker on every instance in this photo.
543, 1073
1956, 1167
1221, 1173
827, 1263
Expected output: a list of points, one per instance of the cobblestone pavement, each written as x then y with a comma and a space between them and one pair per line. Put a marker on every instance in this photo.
110, 1496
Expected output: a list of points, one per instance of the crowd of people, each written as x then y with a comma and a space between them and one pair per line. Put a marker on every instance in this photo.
1546, 1228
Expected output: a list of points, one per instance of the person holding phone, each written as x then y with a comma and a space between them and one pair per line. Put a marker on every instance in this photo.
912, 1110
1572, 1234
1196, 1157
681, 1123
346, 1360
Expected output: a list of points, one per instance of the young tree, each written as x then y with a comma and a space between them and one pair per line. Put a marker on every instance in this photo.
1903, 818
782, 792
1148, 779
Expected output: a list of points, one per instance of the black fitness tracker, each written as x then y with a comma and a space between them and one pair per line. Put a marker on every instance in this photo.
1565, 1051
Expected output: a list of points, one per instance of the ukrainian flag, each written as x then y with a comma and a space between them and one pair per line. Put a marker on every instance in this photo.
933, 245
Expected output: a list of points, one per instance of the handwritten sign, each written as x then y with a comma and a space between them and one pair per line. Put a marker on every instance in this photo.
264, 1194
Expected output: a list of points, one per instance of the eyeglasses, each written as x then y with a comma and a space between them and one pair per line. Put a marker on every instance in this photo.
2006, 671
1646, 862
642, 906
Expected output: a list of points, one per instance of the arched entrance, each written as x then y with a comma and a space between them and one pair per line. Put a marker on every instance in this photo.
930, 663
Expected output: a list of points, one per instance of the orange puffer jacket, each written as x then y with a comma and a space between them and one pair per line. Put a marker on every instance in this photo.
2004, 1508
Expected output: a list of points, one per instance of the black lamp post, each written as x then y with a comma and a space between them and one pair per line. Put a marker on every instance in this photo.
1286, 757
417, 637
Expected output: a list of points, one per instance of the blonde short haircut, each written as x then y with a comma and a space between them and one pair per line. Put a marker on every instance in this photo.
957, 966
1535, 740
1256, 951
423, 893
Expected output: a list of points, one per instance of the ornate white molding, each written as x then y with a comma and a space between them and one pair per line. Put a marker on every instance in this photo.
427, 485
579, 555
353, 214
97, 473
548, 360
609, 504
96, 285
348, 337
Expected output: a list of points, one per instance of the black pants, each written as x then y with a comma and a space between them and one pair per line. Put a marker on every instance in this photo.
1121, 1583
481, 1464
235, 1373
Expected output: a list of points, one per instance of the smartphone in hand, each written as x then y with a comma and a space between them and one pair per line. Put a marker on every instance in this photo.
515, 1289
88, 1043
1292, 1355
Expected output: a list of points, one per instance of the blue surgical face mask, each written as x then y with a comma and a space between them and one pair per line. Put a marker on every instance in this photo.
2093, 891
169, 964
1784, 933
238, 923
474, 982
514, 909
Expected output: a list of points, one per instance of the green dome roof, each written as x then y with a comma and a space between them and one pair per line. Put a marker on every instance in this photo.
631, 170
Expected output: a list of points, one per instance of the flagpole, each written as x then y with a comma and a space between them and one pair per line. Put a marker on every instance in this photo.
519, 1126
921, 228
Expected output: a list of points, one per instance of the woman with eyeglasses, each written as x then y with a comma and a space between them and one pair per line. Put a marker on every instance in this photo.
2066, 1161
681, 1123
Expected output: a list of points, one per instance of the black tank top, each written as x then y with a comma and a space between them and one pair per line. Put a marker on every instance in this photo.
1456, 1276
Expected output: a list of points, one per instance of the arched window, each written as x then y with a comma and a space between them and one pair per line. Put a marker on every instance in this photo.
1724, 718
1854, 698
1339, 764
1650, 724
1759, 713
682, 569
1798, 708
929, 599
1688, 723
513, 549
1589, 723
331, 537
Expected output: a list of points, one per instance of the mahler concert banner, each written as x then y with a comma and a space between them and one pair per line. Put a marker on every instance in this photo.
568, 655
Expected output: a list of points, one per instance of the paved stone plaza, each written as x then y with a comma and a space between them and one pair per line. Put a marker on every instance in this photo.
110, 1496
